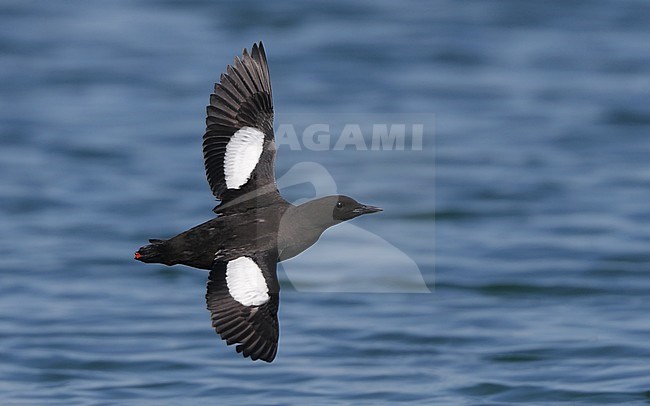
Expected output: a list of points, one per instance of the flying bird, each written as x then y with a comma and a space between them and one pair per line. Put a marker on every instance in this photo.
255, 228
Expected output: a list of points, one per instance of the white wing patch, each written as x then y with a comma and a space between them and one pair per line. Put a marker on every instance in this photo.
246, 283
242, 153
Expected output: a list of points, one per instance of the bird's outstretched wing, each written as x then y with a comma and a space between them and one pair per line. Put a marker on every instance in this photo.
243, 299
238, 145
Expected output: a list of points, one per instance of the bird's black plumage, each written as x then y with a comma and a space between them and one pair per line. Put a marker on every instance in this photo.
243, 98
254, 329
255, 228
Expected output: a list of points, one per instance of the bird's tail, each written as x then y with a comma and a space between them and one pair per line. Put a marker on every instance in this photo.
153, 253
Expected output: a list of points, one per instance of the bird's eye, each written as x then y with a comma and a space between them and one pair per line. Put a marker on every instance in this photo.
339, 205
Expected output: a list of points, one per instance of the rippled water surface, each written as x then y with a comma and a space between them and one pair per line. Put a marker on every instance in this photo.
526, 213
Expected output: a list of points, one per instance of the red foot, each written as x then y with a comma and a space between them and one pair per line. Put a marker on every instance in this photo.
137, 255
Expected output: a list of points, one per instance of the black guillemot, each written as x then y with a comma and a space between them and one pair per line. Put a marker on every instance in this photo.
255, 227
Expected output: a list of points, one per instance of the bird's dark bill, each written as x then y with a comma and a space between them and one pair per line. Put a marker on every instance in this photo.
367, 209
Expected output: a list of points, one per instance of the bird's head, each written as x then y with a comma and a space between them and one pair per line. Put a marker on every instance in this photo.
330, 210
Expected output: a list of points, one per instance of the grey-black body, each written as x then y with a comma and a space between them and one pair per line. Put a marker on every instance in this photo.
255, 228
281, 227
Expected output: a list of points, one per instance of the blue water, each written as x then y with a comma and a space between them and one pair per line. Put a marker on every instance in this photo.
526, 214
